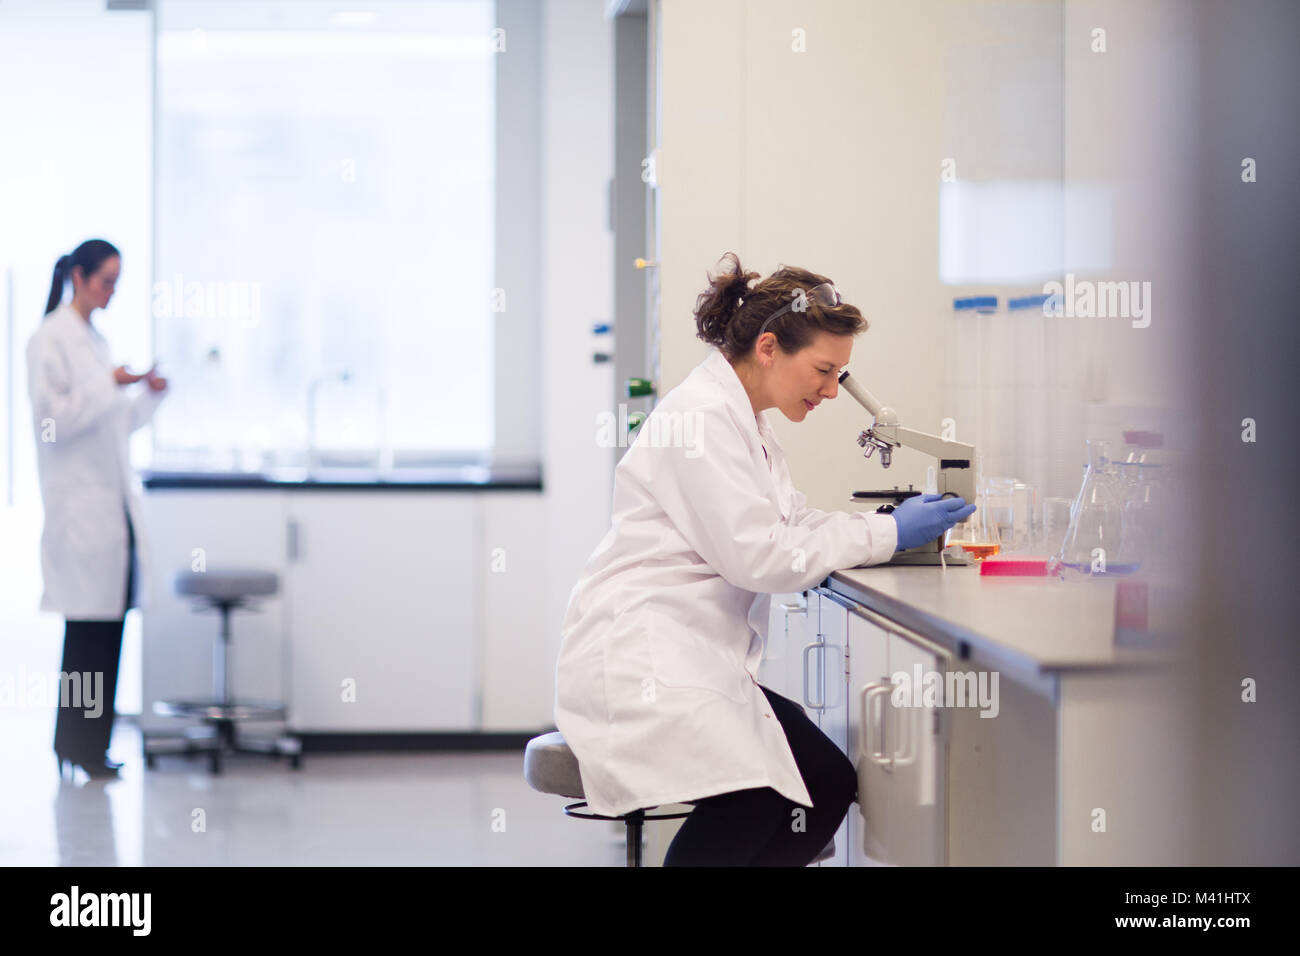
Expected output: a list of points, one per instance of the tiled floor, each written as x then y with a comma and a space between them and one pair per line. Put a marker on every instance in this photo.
458, 809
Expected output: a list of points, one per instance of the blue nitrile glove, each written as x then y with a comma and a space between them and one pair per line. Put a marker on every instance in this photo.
922, 518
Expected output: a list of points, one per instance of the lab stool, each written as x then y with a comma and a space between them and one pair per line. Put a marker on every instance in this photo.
551, 767
222, 591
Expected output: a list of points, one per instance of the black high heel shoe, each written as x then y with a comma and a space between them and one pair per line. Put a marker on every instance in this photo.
95, 768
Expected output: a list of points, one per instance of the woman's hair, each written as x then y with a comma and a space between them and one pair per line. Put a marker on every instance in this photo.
731, 315
90, 255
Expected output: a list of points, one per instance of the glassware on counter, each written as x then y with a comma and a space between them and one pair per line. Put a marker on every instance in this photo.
1144, 500
1093, 543
978, 535
1055, 524
1024, 510
999, 509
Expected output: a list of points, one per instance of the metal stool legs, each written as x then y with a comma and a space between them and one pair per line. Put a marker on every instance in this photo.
222, 713
635, 821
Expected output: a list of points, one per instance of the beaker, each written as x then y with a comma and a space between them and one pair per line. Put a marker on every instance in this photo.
999, 509
1093, 540
1055, 525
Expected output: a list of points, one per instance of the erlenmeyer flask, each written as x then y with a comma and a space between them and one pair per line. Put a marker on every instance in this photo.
1092, 543
978, 535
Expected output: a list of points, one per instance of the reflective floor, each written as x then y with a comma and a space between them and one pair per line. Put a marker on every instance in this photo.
430, 809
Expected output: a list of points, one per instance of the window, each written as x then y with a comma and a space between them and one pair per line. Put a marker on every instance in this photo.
324, 233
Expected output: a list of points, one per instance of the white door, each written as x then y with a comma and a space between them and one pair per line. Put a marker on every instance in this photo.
787, 632
202, 529
868, 689
828, 692
382, 611
917, 832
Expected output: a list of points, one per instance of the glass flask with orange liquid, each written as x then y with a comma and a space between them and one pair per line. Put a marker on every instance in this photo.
978, 535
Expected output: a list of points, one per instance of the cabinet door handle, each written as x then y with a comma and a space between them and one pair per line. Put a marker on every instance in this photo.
767, 645
876, 754
807, 702
828, 671
906, 719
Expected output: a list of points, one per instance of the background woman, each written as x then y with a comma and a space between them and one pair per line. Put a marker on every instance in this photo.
83, 416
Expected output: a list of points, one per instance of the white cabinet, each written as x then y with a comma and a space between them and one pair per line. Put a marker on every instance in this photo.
917, 830
894, 738
378, 602
868, 685
827, 685
897, 742
971, 755
792, 623
381, 603
214, 529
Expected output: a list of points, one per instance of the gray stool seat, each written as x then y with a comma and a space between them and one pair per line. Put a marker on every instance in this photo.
226, 584
551, 767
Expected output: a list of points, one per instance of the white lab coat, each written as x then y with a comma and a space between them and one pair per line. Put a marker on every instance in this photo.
85, 472
656, 686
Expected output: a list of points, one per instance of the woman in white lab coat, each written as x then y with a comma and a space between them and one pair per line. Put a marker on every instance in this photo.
656, 680
83, 416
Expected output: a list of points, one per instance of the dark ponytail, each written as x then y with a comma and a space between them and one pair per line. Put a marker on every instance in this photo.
90, 255
717, 305
731, 315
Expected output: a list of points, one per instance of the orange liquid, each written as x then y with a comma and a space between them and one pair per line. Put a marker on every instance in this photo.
979, 551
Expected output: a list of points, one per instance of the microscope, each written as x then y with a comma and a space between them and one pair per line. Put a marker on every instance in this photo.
956, 476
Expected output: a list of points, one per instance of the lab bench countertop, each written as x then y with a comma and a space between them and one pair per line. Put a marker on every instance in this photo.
1045, 624
447, 478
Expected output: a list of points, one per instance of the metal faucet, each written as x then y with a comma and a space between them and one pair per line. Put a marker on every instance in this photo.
313, 453
383, 450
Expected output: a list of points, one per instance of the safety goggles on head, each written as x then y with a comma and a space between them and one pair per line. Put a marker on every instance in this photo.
825, 294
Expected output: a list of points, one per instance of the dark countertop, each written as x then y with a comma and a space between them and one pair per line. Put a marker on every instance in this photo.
449, 478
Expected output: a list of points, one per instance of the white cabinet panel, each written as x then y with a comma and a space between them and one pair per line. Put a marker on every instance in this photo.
518, 641
382, 598
791, 624
917, 833
867, 694
828, 692
897, 743
240, 529
827, 689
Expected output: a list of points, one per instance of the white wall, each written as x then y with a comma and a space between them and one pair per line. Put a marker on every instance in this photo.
578, 140
547, 540
75, 163
830, 159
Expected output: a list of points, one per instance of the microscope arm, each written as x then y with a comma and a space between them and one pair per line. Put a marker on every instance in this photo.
958, 476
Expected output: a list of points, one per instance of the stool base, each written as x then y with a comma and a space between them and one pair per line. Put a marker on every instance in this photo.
634, 820
218, 733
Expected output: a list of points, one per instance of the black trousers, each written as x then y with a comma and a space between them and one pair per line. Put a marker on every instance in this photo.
759, 827
83, 728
